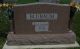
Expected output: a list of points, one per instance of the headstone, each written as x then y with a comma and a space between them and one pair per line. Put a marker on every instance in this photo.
41, 24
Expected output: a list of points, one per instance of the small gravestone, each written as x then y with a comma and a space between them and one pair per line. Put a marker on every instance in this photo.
41, 24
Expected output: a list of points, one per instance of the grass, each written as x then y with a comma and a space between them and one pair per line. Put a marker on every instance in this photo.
65, 1
26, 1
2, 41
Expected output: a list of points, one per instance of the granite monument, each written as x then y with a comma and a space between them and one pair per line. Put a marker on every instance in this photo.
41, 24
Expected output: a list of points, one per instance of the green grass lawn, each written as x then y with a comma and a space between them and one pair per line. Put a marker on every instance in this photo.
26, 1
2, 41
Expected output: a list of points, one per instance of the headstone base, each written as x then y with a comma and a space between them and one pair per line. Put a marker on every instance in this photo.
41, 39
60, 46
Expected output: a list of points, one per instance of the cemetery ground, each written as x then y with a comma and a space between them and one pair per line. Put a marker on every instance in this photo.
75, 28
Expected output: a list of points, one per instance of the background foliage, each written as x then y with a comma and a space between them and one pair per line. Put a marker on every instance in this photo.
4, 20
26, 1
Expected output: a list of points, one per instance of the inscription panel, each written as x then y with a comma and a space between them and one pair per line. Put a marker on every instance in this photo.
41, 16
41, 19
